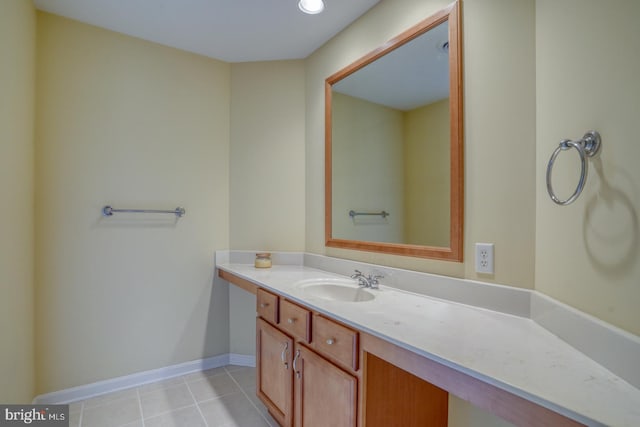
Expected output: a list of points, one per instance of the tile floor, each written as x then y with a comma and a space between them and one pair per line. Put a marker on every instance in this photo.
215, 398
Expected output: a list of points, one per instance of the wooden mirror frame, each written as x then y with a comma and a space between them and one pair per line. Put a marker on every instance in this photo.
454, 252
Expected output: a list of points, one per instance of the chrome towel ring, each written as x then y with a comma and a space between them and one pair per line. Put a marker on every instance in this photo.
588, 146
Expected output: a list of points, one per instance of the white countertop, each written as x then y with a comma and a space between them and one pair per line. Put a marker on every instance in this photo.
513, 353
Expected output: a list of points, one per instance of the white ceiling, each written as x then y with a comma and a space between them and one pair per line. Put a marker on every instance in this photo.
229, 30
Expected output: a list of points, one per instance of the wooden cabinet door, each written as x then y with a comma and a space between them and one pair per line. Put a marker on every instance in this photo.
274, 372
325, 395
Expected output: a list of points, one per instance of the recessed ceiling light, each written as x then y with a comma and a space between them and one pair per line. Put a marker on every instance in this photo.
311, 6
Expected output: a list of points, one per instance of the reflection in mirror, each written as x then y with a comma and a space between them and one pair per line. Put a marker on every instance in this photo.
390, 134
394, 144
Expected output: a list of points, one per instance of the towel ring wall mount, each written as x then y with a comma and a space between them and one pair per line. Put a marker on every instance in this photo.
588, 146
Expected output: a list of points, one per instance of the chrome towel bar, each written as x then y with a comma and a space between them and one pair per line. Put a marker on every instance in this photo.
383, 214
588, 146
109, 211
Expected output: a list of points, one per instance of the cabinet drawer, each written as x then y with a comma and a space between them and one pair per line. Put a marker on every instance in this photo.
336, 341
267, 306
295, 320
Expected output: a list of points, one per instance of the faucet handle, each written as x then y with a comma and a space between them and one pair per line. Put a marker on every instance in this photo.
374, 280
362, 279
356, 274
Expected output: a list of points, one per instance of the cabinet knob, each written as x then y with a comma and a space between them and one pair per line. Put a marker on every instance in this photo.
330, 341
263, 305
291, 320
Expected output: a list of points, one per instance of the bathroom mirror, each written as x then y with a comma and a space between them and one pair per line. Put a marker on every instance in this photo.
393, 145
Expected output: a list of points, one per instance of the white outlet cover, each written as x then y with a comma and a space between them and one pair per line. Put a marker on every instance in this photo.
484, 258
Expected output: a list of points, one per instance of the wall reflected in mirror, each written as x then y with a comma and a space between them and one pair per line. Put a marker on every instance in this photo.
391, 146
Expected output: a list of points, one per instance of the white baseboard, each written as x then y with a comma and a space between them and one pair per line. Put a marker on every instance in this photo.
140, 378
242, 360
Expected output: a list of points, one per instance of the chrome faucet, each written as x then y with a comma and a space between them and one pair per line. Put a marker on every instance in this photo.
374, 280
371, 281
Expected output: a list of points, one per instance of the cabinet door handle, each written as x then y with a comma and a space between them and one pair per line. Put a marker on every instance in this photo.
295, 359
264, 305
283, 355
291, 320
330, 341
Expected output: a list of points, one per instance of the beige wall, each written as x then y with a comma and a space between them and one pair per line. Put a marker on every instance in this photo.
587, 66
126, 122
499, 68
266, 174
427, 171
17, 78
267, 156
464, 414
499, 79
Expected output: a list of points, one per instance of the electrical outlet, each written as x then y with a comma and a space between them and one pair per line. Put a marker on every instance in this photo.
484, 258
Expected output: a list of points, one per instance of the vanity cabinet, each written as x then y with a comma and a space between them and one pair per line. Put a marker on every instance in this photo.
304, 382
325, 395
315, 371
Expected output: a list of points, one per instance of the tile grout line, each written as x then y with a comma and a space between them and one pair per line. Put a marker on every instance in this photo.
184, 382
247, 397
197, 404
211, 399
170, 411
140, 406
108, 402
81, 413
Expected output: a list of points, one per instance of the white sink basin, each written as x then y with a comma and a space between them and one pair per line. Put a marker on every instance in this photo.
346, 290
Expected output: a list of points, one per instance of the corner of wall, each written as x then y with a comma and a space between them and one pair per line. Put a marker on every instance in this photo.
17, 110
